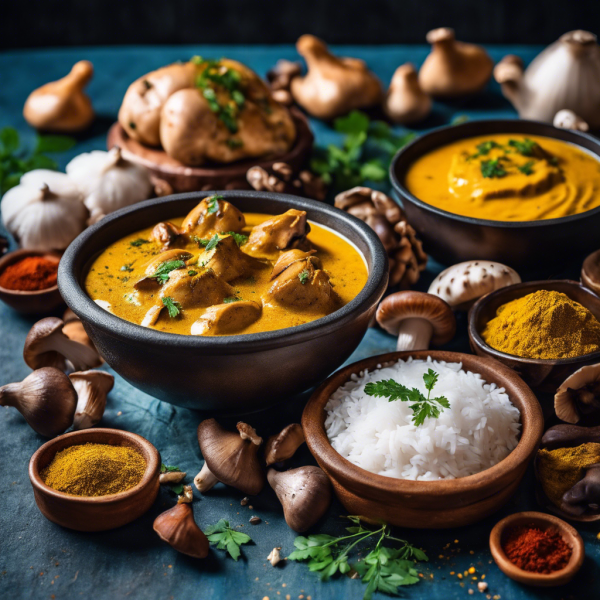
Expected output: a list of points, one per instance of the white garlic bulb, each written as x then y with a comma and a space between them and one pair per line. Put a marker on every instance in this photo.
108, 181
45, 211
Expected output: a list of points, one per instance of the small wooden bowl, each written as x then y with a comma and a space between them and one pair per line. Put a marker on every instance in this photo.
172, 176
30, 303
543, 374
590, 272
96, 513
426, 504
544, 522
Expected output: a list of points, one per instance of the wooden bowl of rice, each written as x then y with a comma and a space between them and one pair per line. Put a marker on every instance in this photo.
423, 504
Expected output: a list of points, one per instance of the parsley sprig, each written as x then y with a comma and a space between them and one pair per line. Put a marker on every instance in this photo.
240, 238
303, 276
213, 204
227, 538
422, 407
163, 272
140, 241
173, 307
383, 569
492, 168
525, 147
527, 168
176, 488
207, 244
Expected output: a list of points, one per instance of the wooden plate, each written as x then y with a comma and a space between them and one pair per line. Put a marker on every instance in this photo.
172, 176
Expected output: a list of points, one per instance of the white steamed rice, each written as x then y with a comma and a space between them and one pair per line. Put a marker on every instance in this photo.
480, 428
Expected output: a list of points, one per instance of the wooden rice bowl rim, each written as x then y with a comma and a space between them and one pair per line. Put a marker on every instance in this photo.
113, 437
362, 481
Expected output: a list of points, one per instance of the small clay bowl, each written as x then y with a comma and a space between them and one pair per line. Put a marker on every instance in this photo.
542, 374
426, 504
171, 176
545, 522
97, 513
590, 272
28, 303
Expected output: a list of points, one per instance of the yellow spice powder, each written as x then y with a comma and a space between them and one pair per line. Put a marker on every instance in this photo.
94, 469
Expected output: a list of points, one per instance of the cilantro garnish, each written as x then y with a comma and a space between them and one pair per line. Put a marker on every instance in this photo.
234, 143
176, 488
137, 243
211, 243
240, 238
492, 168
383, 569
163, 272
422, 407
166, 469
525, 147
227, 538
527, 169
231, 299
127, 267
485, 148
303, 276
213, 204
173, 307
192, 273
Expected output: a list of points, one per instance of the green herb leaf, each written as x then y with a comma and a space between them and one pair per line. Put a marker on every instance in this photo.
492, 168
459, 119
227, 538
173, 307
213, 204
304, 276
240, 238
167, 469
127, 267
527, 168
176, 488
234, 143
526, 147
209, 244
53, 143
230, 300
353, 123
9, 140
163, 271
192, 273
137, 243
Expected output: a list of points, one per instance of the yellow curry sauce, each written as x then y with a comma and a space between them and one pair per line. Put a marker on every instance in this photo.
113, 273
507, 178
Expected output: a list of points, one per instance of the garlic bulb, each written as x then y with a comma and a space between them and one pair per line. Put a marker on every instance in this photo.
566, 75
108, 181
45, 211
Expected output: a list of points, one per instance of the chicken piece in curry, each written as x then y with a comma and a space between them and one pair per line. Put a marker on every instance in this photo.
218, 271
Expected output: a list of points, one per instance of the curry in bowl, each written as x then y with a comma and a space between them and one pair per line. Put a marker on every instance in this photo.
218, 271
507, 177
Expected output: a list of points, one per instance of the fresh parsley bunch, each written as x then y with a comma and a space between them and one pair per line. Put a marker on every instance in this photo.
421, 406
227, 538
383, 569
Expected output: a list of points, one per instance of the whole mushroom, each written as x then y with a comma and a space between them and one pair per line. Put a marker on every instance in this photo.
231, 458
282, 446
418, 319
405, 101
462, 284
333, 86
567, 119
579, 395
178, 528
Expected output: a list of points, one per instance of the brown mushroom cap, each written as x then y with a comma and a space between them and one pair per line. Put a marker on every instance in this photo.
590, 272
92, 387
282, 446
418, 305
178, 528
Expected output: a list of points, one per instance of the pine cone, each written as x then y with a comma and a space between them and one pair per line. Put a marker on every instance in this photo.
282, 179
387, 219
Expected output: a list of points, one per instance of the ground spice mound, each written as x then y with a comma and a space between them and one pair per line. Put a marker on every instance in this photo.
545, 324
94, 470
538, 551
30, 274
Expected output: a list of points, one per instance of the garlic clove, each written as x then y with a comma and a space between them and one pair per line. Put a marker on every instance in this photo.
92, 387
177, 527
46, 399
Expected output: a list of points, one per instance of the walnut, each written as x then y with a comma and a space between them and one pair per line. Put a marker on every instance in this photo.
280, 79
281, 178
387, 219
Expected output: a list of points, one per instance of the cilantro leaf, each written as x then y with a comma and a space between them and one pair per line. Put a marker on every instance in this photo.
353, 123
53, 143
304, 276
525, 147
492, 168
213, 204
526, 168
212, 243
173, 307
430, 378
163, 271
227, 538
137, 243
230, 300
240, 238
191, 273
167, 469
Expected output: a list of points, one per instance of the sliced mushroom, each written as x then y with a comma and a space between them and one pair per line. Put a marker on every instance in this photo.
231, 458
149, 282
282, 232
223, 319
304, 493
292, 256
418, 319
168, 235
584, 497
178, 528
228, 261
462, 284
283, 446
213, 215
579, 395
590, 272
92, 388
47, 346
405, 101
333, 86
171, 477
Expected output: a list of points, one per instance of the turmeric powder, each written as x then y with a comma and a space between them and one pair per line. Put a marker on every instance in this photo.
545, 324
94, 469
560, 469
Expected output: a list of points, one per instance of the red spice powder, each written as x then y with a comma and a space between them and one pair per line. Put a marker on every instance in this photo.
533, 549
30, 274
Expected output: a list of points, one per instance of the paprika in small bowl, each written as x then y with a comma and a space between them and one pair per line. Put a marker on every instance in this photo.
28, 281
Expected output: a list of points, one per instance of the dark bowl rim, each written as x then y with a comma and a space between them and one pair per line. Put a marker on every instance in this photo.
78, 300
497, 354
403, 192
152, 466
26, 252
344, 469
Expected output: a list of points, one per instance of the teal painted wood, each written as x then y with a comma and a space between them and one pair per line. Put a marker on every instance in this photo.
41, 560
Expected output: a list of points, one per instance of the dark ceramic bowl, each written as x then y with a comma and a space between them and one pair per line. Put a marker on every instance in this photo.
233, 374
452, 238
544, 374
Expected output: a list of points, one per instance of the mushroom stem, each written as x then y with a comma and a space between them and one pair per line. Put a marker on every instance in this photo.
414, 334
205, 480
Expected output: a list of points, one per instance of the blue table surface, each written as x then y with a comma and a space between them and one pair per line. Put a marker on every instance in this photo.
39, 559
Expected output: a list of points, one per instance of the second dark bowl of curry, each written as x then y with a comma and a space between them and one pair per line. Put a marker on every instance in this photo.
232, 374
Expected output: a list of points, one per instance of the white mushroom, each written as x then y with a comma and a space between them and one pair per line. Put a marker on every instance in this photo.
579, 395
463, 283
567, 119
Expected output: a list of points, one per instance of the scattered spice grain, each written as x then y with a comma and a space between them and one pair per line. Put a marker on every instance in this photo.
32, 273
537, 551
